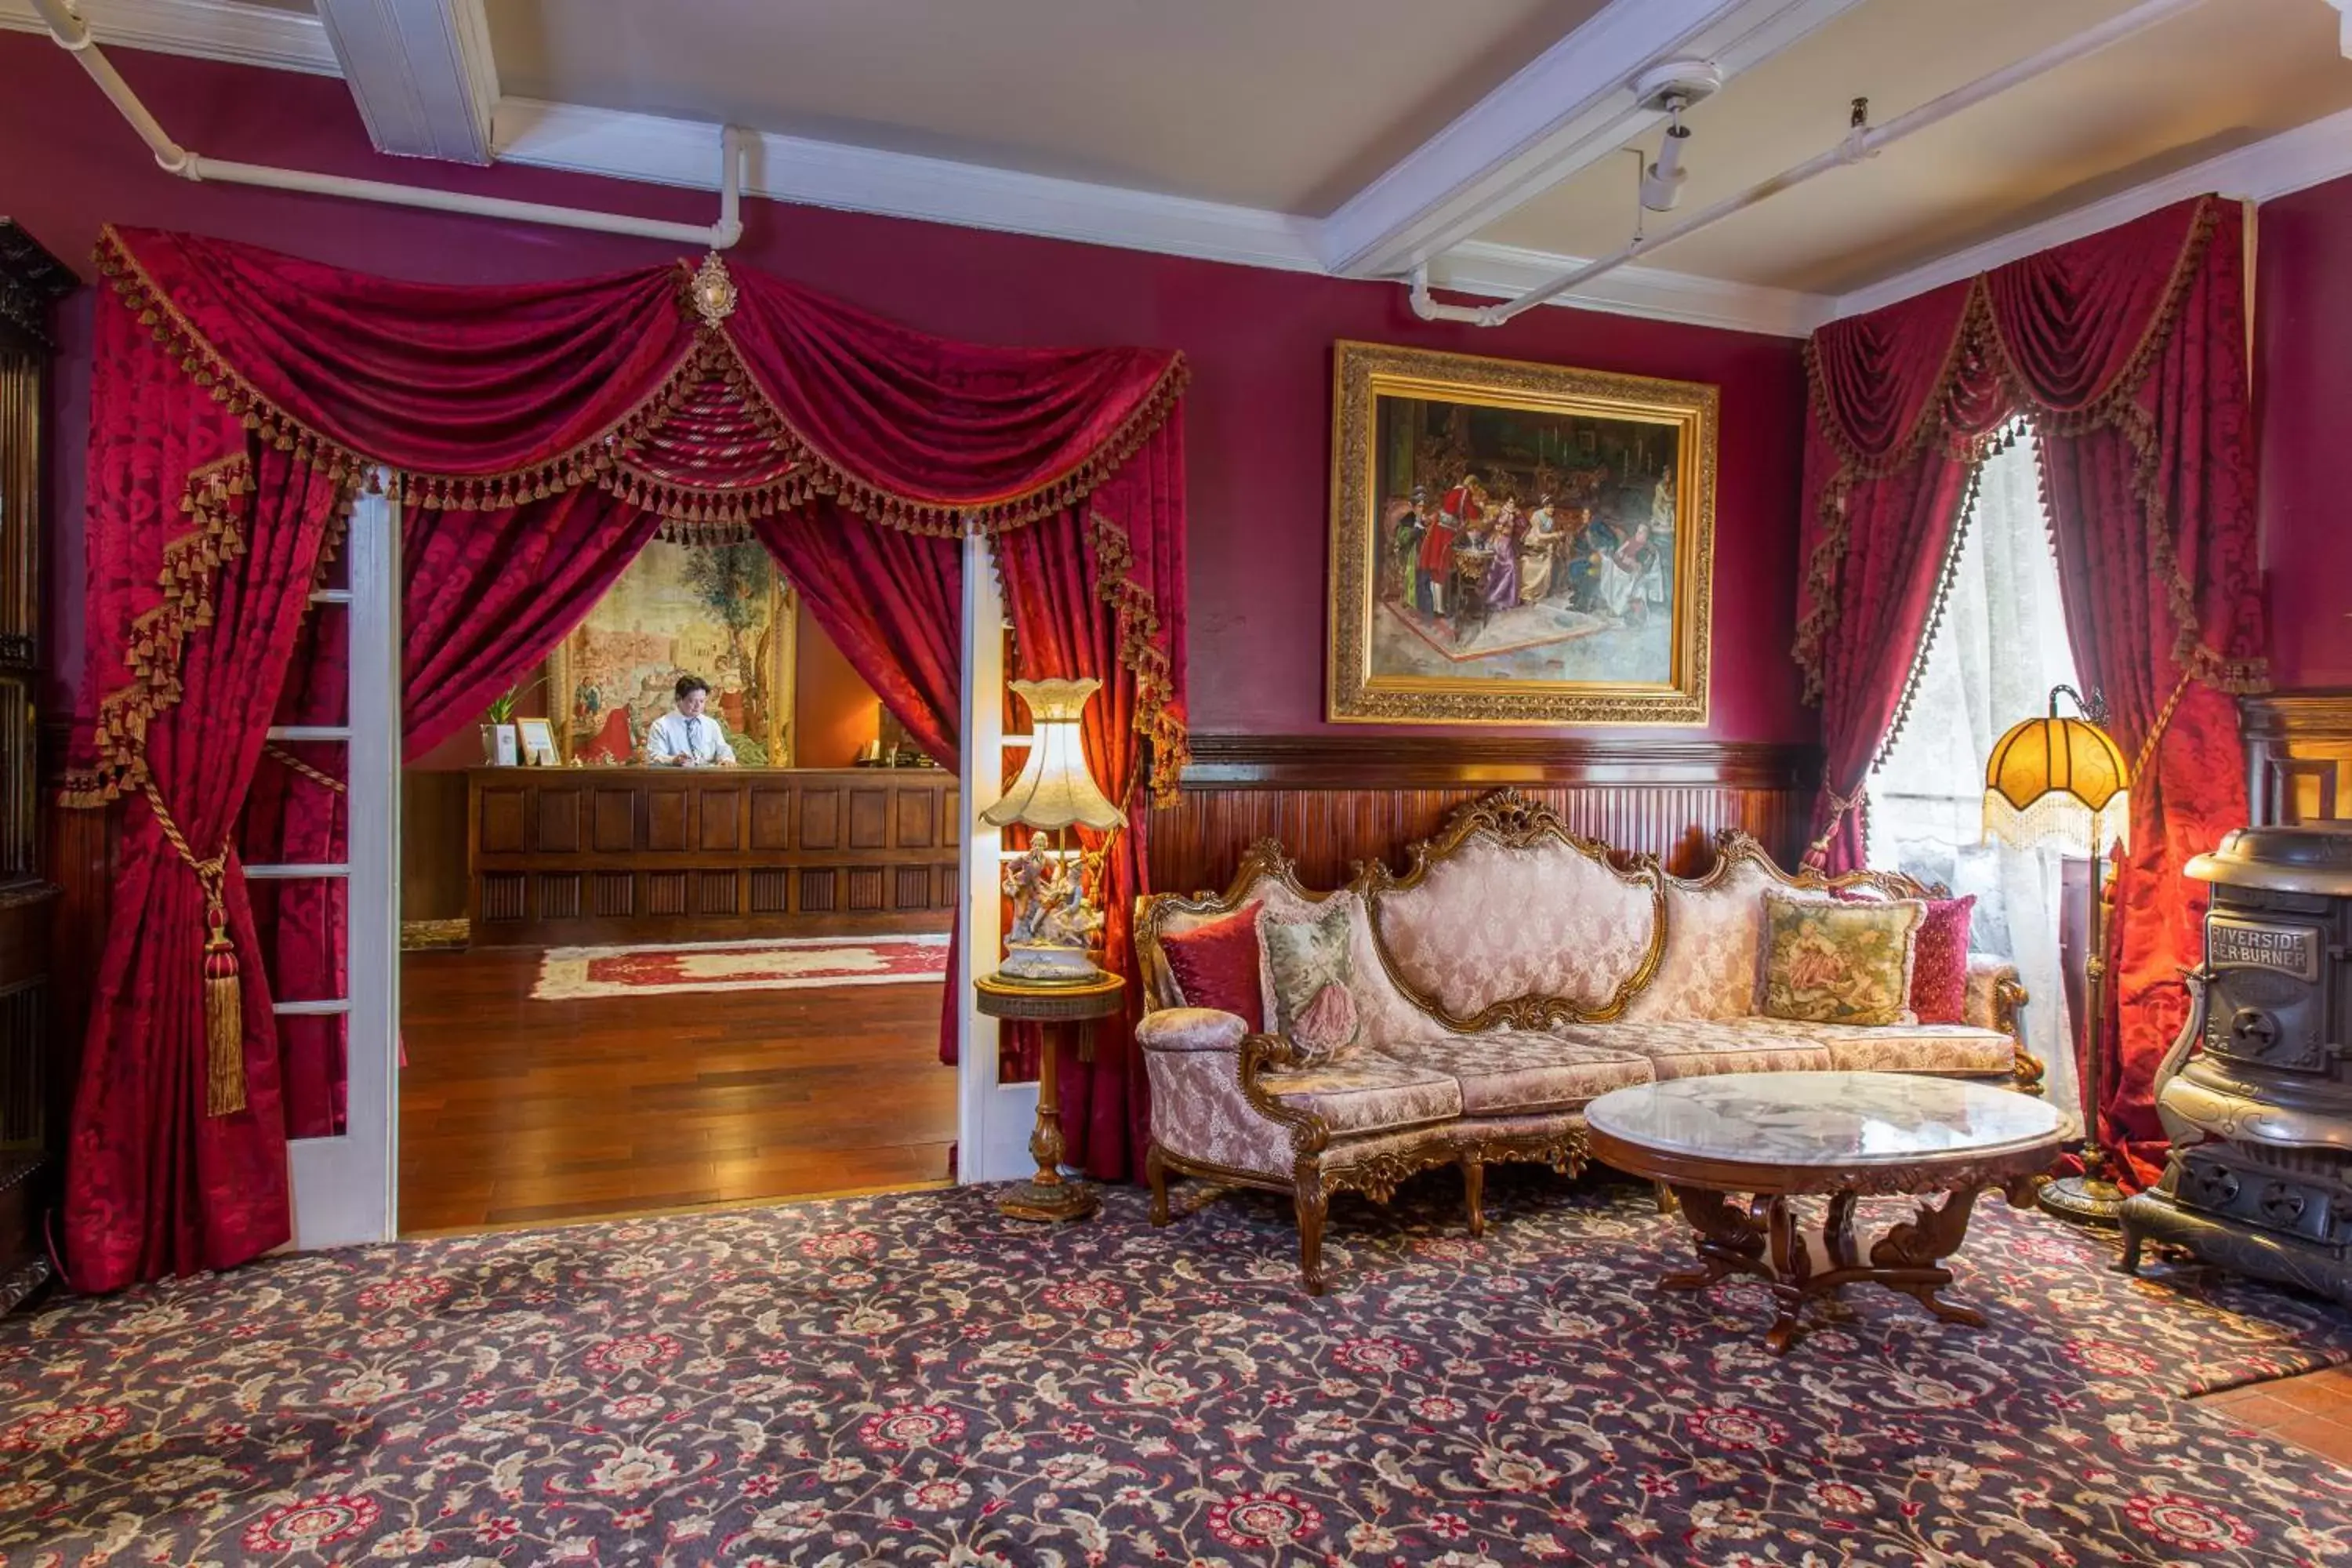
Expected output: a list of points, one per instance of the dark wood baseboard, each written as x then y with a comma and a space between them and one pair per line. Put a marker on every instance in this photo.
1335, 800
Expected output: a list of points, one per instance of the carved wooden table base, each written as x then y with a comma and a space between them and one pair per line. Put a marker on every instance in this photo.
1764, 1236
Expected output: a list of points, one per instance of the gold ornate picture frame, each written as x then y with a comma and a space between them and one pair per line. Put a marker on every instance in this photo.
1518, 543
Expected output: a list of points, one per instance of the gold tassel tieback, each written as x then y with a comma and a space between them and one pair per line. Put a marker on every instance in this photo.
224, 992
223, 1014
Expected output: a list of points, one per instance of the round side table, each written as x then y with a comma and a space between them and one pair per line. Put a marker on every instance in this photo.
1050, 1196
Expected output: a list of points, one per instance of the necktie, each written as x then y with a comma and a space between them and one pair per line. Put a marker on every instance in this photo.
693, 729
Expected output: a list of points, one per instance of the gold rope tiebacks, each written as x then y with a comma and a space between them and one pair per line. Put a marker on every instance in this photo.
1817, 853
224, 994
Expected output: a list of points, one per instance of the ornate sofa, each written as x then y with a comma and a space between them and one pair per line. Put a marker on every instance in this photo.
1514, 974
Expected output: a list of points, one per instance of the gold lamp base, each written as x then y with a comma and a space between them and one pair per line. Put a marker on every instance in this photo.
1049, 1203
2083, 1200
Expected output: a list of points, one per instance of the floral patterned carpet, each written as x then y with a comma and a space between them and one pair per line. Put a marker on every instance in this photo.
913, 1380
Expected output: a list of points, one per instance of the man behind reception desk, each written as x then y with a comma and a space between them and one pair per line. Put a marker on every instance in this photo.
687, 739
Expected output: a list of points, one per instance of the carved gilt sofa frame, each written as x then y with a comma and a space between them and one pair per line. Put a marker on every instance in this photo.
1281, 1140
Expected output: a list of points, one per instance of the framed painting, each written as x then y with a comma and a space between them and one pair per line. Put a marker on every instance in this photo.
721, 612
1516, 543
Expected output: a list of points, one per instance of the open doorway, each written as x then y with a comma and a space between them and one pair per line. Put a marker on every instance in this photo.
632, 984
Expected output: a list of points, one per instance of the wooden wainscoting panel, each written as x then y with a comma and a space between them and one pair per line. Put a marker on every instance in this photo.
722, 818
559, 820
1335, 802
2298, 755
665, 819
616, 824
500, 821
772, 816
821, 816
431, 843
869, 819
917, 811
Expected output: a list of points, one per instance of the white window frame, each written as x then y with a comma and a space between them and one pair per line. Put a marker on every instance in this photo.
345, 1186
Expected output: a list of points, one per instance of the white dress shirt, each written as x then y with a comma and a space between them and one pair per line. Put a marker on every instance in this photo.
701, 739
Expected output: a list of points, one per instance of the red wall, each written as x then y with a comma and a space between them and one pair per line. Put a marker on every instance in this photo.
2302, 386
1258, 417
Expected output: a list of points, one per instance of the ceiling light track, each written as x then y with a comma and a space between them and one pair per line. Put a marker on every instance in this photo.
1859, 142
72, 34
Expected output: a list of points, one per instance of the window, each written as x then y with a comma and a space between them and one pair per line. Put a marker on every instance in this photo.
1991, 657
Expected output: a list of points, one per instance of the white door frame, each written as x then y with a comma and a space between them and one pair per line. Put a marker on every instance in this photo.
345, 1187
992, 1119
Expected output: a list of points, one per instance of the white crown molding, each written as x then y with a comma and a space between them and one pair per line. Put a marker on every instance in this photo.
1570, 107
205, 29
1502, 272
421, 72
899, 184
682, 152
2310, 155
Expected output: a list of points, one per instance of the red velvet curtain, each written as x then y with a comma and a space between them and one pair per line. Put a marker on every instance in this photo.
540, 434
200, 574
2125, 351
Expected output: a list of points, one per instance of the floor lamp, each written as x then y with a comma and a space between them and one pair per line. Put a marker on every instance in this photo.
2062, 782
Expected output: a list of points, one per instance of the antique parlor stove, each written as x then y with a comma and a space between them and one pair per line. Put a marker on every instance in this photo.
2256, 1094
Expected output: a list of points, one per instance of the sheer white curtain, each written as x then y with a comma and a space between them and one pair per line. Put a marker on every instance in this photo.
1998, 649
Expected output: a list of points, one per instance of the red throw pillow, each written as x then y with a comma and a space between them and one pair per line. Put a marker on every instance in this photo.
1939, 957
1215, 965
1939, 962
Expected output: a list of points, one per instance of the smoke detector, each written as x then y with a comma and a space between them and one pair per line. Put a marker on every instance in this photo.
1689, 80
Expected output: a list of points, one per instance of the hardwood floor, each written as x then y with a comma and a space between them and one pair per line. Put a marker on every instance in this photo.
514, 1110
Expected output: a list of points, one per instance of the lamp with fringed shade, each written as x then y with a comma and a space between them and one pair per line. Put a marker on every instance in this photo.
1054, 921
2062, 782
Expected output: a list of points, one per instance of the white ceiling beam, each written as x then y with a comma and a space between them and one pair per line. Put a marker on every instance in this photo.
421, 72
1570, 107
205, 29
2310, 155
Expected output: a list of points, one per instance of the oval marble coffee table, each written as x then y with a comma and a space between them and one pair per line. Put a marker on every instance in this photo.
1843, 1135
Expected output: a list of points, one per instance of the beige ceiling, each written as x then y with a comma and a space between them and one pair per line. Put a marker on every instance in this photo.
1288, 105
2219, 76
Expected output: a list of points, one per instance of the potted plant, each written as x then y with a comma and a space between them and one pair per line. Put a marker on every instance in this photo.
499, 747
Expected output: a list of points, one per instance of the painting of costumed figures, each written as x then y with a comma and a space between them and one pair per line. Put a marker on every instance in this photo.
719, 612
1518, 543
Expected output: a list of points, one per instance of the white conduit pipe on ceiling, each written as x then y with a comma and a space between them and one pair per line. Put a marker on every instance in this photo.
72, 34
1858, 144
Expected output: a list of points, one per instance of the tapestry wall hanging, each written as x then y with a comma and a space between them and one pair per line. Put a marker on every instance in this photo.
721, 611
1517, 544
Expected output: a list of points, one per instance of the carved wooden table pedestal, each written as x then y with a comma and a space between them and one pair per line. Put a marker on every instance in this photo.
1050, 1196
1737, 1150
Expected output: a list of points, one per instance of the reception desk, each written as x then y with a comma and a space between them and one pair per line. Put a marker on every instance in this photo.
603, 854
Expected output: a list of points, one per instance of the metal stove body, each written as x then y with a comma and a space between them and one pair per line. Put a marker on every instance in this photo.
2256, 1094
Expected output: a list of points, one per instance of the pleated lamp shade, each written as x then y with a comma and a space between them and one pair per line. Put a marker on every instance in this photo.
1055, 790
2059, 782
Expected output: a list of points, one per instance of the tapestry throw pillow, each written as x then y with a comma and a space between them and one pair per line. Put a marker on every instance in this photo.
1216, 965
1828, 963
1939, 961
1309, 963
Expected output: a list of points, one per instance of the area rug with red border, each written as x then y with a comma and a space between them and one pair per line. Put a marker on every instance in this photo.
785, 964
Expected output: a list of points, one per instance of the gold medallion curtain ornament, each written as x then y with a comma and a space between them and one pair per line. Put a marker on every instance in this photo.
539, 434
2125, 353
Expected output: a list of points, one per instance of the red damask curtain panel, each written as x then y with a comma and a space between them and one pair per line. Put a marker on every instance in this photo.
539, 434
2126, 353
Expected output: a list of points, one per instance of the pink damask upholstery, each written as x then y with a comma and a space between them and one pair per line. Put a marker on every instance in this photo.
1509, 1073
1190, 1029
1489, 923
1368, 1092
1699, 1048
1918, 1047
1198, 1112
1715, 937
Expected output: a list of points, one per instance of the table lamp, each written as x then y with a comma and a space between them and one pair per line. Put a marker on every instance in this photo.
2062, 782
1055, 921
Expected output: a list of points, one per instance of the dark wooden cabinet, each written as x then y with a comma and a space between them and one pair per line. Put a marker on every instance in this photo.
620, 855
33, 1081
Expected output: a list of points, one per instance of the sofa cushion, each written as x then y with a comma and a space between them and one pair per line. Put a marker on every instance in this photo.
1310, 967
1940, 956
1489, 923
1712, 966
1839, 963
1386, 1011
1216, 965
1368, 1092
1504, 1072
1918, 1047
1701, 1047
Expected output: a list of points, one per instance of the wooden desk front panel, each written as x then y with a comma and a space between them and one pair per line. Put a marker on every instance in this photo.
561, 855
